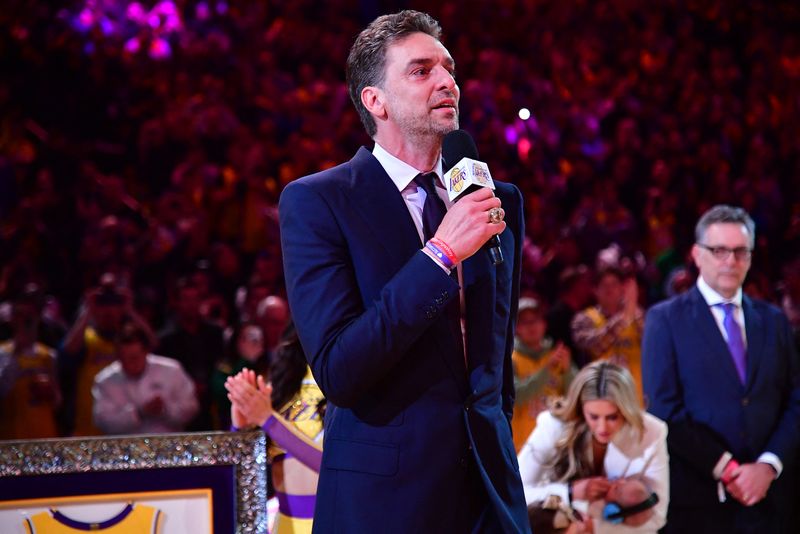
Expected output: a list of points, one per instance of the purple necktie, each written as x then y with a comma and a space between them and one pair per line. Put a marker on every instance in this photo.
434, 209
735, 341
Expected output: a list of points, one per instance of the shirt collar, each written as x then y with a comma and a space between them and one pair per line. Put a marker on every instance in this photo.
713, 298
400, 172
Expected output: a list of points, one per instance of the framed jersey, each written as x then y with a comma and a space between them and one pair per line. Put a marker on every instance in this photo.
170, 483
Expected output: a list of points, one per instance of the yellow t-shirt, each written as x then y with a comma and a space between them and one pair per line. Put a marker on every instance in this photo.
99, 353
525, 411
139, 519
626, 351
22, 414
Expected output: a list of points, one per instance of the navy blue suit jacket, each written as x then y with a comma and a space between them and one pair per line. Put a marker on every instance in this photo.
404, 411
690, 382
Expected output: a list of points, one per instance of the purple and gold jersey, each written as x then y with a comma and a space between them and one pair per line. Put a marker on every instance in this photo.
139, 519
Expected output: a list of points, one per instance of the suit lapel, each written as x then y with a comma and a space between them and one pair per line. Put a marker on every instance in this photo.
754, 328
709, 330
376, 198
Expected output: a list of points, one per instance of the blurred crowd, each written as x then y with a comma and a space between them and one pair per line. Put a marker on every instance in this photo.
143, 147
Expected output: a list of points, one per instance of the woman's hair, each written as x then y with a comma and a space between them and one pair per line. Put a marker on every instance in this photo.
287, 370
597, 381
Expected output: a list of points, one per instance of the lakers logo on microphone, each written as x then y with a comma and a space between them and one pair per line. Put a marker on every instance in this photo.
465, 175
481, 173
457, 177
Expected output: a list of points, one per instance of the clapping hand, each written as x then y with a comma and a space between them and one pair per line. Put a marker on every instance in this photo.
630, 299
251, 399
559, 360
154, 407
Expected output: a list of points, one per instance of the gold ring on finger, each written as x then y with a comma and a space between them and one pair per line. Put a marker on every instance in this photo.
495, 215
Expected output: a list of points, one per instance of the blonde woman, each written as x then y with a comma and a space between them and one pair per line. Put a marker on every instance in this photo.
590, 443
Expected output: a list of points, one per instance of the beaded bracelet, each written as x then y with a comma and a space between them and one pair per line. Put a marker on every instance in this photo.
442, 251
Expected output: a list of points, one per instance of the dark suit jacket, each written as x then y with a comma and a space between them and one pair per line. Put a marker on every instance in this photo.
690, 381
404, 413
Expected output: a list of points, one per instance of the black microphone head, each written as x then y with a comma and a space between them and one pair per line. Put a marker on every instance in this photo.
456, 145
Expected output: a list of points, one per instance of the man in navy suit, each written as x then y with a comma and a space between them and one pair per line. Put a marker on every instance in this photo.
417, 429
722, 370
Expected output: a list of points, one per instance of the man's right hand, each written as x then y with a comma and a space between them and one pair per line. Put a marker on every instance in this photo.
750, 483
466, 227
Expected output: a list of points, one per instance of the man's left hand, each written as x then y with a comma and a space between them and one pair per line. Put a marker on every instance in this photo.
751, 482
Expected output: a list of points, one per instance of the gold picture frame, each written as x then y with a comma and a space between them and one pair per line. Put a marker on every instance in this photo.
230, 467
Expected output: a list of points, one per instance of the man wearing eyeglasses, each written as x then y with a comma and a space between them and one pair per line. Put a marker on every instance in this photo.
722, 370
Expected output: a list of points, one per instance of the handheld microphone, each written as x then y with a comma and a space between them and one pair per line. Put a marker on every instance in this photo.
466, 175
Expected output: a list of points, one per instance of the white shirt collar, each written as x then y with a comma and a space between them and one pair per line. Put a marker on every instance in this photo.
398, 170
713, 298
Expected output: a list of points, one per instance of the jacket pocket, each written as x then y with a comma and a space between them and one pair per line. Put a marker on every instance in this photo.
363, 457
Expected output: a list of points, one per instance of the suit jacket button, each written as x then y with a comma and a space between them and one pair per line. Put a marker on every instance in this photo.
745, 401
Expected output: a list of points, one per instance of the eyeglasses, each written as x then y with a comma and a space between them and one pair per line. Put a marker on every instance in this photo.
723, 253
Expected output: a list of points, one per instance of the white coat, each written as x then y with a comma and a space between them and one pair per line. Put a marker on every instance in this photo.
626, 456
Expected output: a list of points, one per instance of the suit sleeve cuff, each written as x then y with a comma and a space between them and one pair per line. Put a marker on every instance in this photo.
772, 460
436, 260
719, 468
